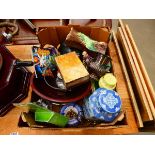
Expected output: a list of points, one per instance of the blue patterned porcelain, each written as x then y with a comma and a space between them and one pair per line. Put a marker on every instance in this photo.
74, 108
94, 105
110, 101
103, 105
86, 109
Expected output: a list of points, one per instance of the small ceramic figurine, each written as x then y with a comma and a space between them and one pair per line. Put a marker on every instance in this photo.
108, 81
97, 67
86, 59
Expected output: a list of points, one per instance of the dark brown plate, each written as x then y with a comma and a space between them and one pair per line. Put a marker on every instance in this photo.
40, 87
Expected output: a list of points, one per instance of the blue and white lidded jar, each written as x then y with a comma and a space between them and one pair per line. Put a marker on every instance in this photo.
110, 103
103, 105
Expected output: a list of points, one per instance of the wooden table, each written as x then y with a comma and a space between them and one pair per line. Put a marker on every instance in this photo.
9, 123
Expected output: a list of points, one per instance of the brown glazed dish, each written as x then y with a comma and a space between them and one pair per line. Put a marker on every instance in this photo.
46, 92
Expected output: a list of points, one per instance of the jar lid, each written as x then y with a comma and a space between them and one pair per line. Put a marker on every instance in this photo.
73, 112
108, 81
110, 101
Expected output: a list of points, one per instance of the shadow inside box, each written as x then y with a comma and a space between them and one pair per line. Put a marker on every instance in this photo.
56, 108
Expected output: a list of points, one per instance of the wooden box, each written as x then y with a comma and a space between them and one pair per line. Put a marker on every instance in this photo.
134, 113
72, 70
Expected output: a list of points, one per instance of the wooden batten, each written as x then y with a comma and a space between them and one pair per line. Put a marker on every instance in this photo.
146, 92
132, 95
141, 64
143, 104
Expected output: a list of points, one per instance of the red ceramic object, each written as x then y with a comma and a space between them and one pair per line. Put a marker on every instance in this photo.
8, 68
15, 91
14, 81
40, 87
9, 65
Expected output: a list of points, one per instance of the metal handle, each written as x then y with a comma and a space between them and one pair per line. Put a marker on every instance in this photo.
24, 63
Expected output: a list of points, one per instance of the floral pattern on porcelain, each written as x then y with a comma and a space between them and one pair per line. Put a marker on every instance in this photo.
110, 100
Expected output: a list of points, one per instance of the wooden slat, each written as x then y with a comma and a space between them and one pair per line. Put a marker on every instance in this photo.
146, 92
122, 87
146, 112
141, 64
133, 99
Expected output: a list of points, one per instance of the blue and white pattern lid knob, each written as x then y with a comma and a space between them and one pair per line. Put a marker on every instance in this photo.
110, 101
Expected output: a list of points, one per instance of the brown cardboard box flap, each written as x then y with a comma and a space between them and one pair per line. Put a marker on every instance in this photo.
57, 34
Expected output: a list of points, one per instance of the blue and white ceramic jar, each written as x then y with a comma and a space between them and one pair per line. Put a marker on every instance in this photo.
110, 103
103, 105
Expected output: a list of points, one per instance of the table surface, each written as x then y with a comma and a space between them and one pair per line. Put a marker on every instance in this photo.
9, 122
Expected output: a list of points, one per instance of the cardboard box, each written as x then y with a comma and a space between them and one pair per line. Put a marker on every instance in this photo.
55, 36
